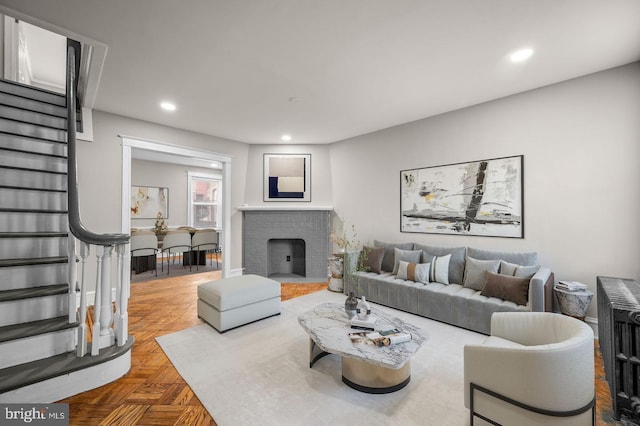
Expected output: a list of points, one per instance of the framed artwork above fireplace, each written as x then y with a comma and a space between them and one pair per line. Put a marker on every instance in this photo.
287, 177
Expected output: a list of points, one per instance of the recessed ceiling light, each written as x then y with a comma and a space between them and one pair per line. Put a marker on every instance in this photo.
168, 106
286, 138
521, 55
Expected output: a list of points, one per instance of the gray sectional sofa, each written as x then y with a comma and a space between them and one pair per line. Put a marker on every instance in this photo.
456, 302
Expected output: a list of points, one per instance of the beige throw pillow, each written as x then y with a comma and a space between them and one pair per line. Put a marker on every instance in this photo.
416, 272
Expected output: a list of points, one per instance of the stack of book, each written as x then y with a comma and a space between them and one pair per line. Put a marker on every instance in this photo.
364, 324
571, 286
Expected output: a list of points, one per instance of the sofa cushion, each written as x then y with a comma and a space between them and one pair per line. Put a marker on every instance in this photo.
417, 272
475, 269
520, 258
513, 289
371, 259
387, 260
456, 265
406, 256
515, 270
439, 271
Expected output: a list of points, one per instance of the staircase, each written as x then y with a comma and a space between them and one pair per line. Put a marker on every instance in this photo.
43, 348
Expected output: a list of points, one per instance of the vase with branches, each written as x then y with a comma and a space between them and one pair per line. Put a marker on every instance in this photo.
346, 239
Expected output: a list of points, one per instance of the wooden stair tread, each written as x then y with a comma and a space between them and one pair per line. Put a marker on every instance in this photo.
29, 293
32, 234
35, 328
12, 210
15, 377
33, 261
25, 188
34, 169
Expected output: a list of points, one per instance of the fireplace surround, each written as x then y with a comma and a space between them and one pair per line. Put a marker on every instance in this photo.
286, 243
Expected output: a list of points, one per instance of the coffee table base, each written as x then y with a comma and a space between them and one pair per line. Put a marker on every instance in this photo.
371, 378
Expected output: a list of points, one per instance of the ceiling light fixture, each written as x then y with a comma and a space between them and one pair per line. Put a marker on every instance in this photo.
286, 138
521, 55
168, 106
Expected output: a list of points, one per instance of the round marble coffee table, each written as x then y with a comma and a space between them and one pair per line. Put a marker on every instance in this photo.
365, 367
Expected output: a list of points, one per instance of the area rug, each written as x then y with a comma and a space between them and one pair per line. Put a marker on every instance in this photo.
259, 374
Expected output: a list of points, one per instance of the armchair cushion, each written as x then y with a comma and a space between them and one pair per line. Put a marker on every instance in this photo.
549, 367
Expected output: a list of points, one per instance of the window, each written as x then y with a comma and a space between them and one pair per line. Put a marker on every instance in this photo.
204, 200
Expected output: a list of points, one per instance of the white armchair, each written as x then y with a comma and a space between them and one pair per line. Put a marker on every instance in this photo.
536, 368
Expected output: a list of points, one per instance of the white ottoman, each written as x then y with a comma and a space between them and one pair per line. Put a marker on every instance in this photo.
232, 302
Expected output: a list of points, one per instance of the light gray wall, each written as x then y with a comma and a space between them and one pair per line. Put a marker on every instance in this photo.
172, 176
100, 171
581, 145
320, 174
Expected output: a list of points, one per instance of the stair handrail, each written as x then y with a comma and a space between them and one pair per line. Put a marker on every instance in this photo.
75, 222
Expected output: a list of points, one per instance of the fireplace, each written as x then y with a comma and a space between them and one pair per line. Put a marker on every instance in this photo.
286, 244
286, 257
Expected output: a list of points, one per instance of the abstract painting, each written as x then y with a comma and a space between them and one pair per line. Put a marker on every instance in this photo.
148, 201
482, 198
287, 177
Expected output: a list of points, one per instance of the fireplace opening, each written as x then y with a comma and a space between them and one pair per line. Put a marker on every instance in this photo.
286, 258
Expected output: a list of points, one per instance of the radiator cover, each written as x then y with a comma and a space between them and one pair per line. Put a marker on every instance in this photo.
619, 339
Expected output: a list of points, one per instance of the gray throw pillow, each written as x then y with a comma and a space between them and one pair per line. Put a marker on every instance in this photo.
456, 264
475, 271
387, 260
439, 270
412, 256
515, 270
520, 258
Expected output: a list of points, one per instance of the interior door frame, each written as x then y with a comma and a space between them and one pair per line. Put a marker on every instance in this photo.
130, 143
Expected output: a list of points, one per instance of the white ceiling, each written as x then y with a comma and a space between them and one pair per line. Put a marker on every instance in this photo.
351, 66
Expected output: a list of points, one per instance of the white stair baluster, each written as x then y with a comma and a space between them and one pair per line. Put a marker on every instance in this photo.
95, 343
107, 338
122, 295
81, 350
73, 278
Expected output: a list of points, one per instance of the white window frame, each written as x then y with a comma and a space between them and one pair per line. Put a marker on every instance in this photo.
204, 176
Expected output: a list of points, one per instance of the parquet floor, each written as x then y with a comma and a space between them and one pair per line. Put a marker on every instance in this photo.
153, 393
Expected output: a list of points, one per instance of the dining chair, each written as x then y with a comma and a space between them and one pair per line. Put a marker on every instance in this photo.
174, 242
144, 243
205, 240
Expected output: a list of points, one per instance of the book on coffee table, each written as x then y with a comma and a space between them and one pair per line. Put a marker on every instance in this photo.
364, 324
388, 339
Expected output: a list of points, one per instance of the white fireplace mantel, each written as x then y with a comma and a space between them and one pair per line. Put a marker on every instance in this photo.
247, 207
